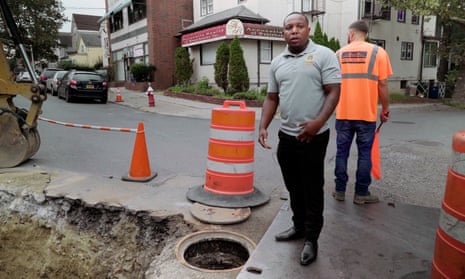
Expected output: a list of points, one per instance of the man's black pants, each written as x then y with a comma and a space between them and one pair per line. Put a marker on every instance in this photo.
302, 167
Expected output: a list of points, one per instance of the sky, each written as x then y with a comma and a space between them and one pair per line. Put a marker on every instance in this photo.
85, 7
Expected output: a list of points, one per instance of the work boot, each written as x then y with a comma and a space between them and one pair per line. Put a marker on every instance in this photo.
309, 252
368, 198
339, 195
290, 234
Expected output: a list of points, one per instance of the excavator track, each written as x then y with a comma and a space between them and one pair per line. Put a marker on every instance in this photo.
17, 143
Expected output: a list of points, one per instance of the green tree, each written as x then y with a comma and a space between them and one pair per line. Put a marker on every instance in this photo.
221, 66
322, 38
238, 74
451, 16
183, 66
38, 24
334, 44
318, 36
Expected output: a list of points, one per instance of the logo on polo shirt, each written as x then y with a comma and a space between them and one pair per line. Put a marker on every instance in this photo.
309, 59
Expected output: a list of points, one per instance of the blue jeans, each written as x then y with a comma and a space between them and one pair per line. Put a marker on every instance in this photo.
365, 132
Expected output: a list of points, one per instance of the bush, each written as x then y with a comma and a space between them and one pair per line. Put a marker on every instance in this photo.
221, 66
183, 66
238, 74
142, 72
245, 96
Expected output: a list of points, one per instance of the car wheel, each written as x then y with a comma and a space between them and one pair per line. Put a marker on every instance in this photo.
54, 93
104, 100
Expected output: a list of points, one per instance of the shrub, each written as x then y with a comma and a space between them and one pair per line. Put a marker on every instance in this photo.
183, 66
238, 74
142, 72
221, 66
203, 84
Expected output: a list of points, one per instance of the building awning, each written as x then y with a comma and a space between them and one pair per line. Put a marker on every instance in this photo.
115, 9
233, 28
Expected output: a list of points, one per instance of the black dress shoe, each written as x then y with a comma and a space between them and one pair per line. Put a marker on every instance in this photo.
309, 253
290, 234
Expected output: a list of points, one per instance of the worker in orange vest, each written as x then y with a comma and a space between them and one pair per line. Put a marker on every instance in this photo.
365, 68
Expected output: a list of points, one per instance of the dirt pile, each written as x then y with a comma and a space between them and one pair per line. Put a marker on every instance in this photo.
41, 237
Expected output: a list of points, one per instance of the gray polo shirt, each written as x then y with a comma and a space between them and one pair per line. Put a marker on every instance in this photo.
299, 80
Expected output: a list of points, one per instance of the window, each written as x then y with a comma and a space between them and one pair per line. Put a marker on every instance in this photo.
116, 21
386, 12
206, 7
367, 8
137, 11
430, 54
381, 43
306, 5
208, 53
403, 84
401, 16
406, 51
377, 9
266, 53
415, 19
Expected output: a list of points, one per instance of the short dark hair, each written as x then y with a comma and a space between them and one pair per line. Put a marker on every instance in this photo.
359, 25
296, 13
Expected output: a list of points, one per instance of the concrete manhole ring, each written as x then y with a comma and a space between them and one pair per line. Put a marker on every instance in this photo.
214, 250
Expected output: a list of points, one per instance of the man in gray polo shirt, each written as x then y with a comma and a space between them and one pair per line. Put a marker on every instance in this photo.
304, 82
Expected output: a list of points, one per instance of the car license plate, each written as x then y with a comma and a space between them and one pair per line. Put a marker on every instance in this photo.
90, 86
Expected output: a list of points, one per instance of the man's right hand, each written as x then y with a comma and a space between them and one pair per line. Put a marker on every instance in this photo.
262, 137
384, 116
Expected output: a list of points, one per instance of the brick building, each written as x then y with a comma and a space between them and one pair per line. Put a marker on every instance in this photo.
144, 31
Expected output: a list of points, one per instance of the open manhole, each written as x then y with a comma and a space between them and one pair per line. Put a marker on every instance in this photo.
214, 251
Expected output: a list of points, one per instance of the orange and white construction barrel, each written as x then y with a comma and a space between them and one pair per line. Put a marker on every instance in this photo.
449, 250
229, 176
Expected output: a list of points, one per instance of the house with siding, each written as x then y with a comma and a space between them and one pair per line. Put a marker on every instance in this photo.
410, 40
148, 32
82, 45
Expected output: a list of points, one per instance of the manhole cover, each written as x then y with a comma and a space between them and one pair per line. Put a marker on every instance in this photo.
219, 215
214, 251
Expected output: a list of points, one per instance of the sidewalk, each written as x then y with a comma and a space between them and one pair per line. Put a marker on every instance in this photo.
167, 105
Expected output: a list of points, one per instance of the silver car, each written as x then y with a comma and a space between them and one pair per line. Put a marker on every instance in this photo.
55, 82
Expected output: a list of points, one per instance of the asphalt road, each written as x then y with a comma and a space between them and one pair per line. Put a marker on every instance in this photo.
415, 152
415, 146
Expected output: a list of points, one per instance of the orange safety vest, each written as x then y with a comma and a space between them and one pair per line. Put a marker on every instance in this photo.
362, 65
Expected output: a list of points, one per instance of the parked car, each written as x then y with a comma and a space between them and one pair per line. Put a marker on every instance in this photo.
23, 77
83, 84
55, 81
46, 77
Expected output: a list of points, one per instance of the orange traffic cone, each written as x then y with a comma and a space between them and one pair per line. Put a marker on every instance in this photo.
118, 95
140, 165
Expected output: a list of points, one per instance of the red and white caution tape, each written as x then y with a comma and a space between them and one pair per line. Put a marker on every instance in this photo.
126, 130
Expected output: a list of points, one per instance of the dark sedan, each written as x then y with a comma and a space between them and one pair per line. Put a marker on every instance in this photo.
83, 85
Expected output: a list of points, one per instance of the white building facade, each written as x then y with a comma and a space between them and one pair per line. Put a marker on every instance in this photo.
410, 40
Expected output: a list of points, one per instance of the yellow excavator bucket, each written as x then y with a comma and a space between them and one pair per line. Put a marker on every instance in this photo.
19, 138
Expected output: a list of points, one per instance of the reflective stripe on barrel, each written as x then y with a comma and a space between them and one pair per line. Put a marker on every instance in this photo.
449, 250
231, 150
